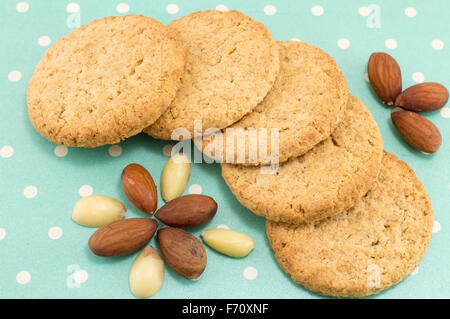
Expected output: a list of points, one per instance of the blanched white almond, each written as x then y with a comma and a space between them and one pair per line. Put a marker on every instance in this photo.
98, 210
147, 273
175, 176
228, 242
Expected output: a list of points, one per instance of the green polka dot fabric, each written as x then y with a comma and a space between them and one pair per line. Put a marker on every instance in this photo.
44, 254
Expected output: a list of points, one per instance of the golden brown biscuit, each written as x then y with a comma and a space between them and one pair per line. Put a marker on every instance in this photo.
231, 63
328, 179
305, 105
106, 81
366, 249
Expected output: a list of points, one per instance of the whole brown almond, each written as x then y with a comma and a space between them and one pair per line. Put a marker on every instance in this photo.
385, 76
122, 237
183, 252
187, 211
140, 188
423, 97
417, 131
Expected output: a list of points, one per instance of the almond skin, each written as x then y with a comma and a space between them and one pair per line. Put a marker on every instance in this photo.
188, 211
384, 76
417, 131
423, 97
183, 252
122, 237
140, 188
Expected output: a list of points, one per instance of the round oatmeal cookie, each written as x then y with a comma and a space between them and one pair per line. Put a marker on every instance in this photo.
231, 63
105, 81
305, 105
366, 249
325, 181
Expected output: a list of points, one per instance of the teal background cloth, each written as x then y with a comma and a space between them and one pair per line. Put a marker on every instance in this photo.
44, 254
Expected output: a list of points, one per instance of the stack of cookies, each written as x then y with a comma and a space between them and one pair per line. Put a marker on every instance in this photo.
344, 217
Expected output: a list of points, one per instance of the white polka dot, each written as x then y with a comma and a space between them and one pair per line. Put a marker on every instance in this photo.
270, 10
81, 276
30, 191
6, 151
2, 233
44, 41
73, 7
23, 277
223, 226
250, 273
366, 77
425, 153
14, 76
437, 44
123, 8
445, 112
415, 271
115, 150
410, 12
436, 227
418, 77
390, 44
61, 150
85, 190
55, 232
364, 11
317, 10
167, 150
296, 39
195, 189
22, 7
343, 43
172, 8
222, 7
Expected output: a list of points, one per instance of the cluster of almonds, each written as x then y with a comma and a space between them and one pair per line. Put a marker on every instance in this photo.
386, 80
182, 251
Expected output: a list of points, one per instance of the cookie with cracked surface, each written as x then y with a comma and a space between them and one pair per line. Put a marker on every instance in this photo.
366, 249
325, 181
105, 81
305, 105
231, 63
